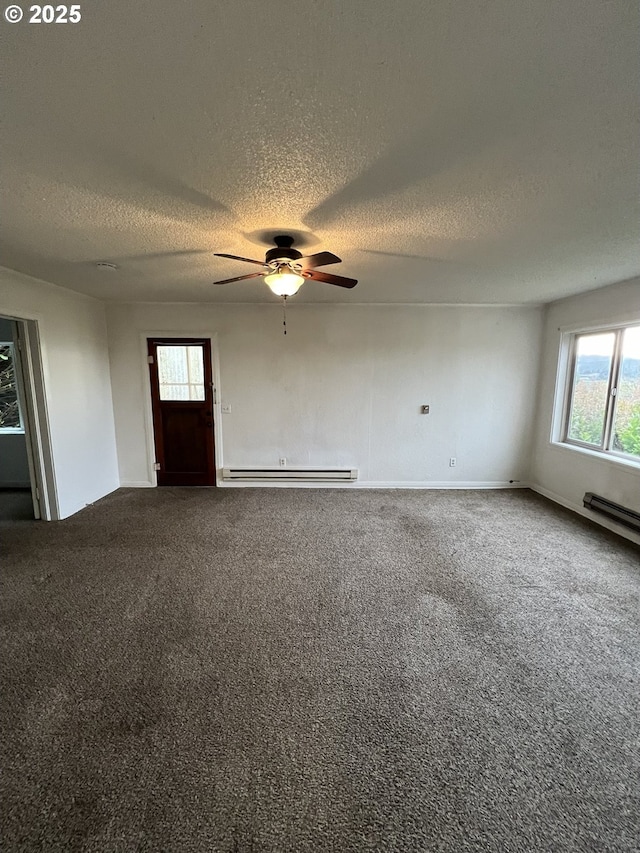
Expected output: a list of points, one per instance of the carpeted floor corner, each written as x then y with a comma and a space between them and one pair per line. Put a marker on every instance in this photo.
292, 670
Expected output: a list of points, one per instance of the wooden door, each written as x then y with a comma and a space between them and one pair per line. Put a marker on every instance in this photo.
182, 398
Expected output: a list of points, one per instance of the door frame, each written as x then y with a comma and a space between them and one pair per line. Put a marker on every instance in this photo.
212, 337
33, 404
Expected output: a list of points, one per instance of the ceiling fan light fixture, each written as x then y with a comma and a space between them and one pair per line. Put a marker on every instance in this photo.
284, 282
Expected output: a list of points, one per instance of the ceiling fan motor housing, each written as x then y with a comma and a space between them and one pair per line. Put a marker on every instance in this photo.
283, 252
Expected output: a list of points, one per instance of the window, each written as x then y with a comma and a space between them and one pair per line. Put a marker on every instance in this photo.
10, 417
181, 372
603, 403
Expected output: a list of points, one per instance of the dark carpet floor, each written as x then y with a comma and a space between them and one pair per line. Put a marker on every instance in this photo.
16, 505
320, 670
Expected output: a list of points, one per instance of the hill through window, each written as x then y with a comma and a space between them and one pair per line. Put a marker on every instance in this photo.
603, 399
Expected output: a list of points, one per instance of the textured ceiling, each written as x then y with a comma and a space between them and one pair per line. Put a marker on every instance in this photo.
476, 151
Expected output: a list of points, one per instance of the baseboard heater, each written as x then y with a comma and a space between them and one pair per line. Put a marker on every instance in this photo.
291, 475
614, 511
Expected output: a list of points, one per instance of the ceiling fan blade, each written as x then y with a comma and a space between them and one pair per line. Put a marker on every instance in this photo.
321, 259
236, 258
340, 280
240, 278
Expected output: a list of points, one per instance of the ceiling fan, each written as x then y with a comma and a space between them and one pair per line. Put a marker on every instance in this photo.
285, 269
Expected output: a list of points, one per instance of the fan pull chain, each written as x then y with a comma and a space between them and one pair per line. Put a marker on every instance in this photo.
284, 313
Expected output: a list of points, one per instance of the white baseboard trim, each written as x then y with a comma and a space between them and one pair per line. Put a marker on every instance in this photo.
620, 529
443, 484
372, 484
363, 484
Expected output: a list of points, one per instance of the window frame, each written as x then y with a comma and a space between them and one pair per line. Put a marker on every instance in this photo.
19, 430
605, 448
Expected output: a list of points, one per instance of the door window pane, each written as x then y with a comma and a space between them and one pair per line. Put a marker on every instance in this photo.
626, 425
195, 365
594, 354
181, 371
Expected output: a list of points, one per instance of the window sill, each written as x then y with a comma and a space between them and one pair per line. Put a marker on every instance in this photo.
596, 455
11, 430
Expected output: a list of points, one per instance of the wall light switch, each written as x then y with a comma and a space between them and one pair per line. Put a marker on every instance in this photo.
226, 409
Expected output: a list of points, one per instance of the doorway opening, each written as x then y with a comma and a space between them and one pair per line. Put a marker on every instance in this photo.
26, 470
182, 399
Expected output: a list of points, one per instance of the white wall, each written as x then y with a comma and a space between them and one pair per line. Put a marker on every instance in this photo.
565, 473
345, 386
77, 385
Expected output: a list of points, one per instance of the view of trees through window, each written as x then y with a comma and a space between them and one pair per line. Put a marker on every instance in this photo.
597, 373
9, 410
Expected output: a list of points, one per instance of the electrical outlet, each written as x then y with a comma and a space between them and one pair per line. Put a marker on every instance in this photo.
452, 462
283, 462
